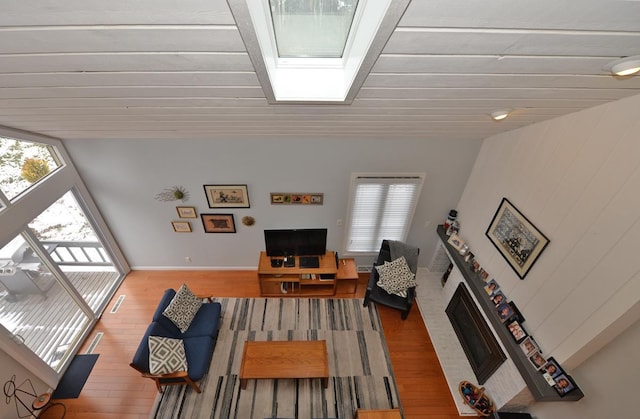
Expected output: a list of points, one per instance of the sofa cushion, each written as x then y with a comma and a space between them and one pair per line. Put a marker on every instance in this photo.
205, 322
396, 277
166, 355
199, 351
183, 308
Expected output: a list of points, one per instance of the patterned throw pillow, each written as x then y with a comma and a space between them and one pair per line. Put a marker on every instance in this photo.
183, 308
396, 277
166, 355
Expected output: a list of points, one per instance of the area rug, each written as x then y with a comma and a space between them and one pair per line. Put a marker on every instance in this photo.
360, 373
75, 377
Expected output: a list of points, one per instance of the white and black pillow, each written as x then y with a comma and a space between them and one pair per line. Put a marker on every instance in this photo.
183, 308
166, 355
395, 277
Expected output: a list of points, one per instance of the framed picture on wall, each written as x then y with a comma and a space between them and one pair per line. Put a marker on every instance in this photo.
187, 212
181, 226
227, 196
516, 238
218, 223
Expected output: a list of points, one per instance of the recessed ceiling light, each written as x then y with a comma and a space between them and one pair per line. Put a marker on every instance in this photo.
500, 115
625, 66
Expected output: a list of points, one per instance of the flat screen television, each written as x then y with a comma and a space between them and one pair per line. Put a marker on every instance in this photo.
296, 242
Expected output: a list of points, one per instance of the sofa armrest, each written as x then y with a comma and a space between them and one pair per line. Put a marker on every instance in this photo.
172, 375
373, 278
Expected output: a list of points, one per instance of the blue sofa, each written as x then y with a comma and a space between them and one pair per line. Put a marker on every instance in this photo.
199, 341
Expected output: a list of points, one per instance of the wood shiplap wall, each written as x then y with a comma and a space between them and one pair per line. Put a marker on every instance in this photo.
576, 178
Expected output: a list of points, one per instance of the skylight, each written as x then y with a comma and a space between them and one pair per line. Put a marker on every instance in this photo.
310, 51
316, 29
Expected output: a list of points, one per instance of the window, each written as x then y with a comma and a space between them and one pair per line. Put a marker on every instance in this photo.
315, 51
24, 164
380, 207
316, 28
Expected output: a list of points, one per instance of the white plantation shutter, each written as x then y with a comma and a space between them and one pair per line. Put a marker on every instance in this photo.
380, 207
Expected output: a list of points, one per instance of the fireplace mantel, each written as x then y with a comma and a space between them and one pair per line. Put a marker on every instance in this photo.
537, 385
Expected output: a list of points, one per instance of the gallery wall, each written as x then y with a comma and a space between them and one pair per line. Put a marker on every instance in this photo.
125, 176
575, 178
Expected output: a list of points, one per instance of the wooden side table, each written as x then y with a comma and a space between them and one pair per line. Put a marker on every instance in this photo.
378, 414
348, 271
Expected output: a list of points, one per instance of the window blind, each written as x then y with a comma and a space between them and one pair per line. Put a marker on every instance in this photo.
381, 207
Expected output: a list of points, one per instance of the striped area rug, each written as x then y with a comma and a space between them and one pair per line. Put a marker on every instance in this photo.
360, 373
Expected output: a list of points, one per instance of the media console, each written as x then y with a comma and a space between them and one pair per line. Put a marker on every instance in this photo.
282, 281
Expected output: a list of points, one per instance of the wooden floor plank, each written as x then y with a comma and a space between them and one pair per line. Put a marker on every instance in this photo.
115, 390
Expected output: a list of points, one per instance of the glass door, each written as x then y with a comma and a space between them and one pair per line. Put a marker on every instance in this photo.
66, 234
56, 277
35, 308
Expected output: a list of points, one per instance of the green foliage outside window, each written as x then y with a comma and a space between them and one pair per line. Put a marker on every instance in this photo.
34, 169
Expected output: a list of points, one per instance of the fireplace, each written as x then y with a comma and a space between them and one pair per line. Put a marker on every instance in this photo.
477, 339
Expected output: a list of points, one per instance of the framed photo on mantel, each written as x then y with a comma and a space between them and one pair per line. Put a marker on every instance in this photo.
516, 238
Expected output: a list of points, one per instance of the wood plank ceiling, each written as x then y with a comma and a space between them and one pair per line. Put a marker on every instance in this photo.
122, 69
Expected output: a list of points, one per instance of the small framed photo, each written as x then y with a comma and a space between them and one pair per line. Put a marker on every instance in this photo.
181, 226
227, 196
456, 242
218, 223
505, 312
492, 287
552, 368
484, 275
187, 212
517, 331
537, 360
498, 298
475, 266
529, 346
564, 384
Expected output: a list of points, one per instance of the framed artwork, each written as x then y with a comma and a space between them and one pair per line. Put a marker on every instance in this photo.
227, 196
498, 298
517, 331
492, 287
218, 223
286, 198
187, 212
181, 226
552, 368
529, 346
537, 360
456, 242
564, 384
516, 238
505, 312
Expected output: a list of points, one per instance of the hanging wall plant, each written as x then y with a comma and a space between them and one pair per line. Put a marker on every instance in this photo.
173, 194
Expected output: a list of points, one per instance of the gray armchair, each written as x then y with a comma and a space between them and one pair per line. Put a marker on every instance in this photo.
389, 251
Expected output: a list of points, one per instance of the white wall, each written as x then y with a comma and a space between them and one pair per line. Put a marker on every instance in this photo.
9, 367
576, 178
124, 176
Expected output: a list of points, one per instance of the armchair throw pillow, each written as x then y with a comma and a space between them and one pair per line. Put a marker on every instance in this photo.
395, 277
183, 308
166, 355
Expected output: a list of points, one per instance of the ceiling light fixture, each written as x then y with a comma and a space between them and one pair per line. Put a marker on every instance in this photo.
625, 66
500, 115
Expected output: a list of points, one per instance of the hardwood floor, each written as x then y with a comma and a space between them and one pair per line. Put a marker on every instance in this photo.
115, 390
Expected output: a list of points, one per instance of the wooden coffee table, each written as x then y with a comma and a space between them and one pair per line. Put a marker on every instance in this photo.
284, 359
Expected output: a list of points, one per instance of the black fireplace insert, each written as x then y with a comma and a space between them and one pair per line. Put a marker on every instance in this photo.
480, 345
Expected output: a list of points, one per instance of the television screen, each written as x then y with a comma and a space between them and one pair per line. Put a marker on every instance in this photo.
296, 242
